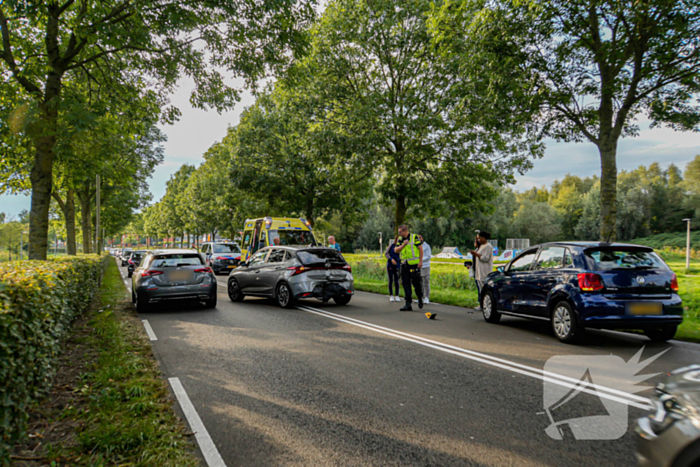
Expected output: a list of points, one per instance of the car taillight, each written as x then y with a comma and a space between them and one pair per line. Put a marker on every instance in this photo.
151, 273
297, 269
588, 282
207, 269
131, 262
674, 283
347, 268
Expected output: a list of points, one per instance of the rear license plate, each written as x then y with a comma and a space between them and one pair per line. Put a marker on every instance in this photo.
645, 308
231, 267
180, 276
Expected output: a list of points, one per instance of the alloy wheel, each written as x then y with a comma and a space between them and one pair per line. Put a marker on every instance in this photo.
562, 321
487, 306
283, 295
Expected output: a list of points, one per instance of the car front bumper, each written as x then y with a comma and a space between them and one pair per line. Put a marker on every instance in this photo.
661, 450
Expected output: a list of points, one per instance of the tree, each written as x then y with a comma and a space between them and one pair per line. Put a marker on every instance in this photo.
537, 221
589, 66
429, 133
298, 165
148, 42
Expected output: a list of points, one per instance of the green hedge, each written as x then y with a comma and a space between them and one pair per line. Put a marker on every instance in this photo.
38, 302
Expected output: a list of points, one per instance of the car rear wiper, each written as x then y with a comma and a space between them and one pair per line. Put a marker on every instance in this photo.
635, 268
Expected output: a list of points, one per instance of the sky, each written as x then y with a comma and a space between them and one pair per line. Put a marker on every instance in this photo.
197, 130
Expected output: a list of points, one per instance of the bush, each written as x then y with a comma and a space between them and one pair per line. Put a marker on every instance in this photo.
38, 302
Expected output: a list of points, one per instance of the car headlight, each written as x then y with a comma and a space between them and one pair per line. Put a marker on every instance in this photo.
667, 412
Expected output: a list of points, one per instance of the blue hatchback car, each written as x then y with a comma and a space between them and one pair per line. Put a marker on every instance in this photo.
579, 285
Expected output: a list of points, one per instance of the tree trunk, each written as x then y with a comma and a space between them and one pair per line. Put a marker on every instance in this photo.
86, 221
41, 178
608, 190
68, 209
399, 213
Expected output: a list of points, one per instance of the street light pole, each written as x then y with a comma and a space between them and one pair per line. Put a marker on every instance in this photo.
97, 216
687, 246
20, 244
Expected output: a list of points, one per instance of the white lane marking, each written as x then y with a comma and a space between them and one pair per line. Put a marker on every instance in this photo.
525, 370
222, 284
206, 444
490, 357
149, 330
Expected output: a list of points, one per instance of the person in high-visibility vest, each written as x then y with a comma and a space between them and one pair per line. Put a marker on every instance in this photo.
410, 249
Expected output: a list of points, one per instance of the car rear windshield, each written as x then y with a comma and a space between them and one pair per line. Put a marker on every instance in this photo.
320, 256
172, 261
610, 259
292, 237
227, 248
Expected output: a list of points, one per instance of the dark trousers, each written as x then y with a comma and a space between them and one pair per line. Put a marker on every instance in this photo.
393, 272
411, 275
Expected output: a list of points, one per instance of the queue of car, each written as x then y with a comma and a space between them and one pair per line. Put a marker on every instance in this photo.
572, 285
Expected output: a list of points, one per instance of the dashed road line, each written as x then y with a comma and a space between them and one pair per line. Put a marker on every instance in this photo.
571, 383
206, 444
149, 330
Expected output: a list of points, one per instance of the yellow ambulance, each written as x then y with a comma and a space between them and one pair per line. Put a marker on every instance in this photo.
259, 233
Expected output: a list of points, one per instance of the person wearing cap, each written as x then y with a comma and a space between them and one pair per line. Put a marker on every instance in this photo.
410, 249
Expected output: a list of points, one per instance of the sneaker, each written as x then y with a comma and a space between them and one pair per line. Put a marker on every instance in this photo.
426, 301
415, 300
406, 307
397, 299
478, 308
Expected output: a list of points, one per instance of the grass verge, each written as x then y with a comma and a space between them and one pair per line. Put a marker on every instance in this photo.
109, 405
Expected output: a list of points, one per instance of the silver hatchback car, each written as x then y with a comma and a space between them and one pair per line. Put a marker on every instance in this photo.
290, 273
670, 435
172, 275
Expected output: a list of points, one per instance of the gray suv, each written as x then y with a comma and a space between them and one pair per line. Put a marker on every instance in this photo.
290, 273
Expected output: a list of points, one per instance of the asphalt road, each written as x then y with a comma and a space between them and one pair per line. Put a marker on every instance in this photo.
326, 386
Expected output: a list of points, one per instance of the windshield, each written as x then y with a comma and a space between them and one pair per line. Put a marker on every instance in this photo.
172, 261
292, 237
320, 256
226, 248
608, 259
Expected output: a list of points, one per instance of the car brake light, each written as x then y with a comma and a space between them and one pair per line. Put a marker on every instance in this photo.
151, 273
296, 269
674, 283
131, 262
207, 269
347, 268
588, 282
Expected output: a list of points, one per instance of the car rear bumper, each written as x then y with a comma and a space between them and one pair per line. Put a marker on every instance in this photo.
597, 311
323, 290
155, 294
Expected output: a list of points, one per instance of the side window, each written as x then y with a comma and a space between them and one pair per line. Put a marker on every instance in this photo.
568, 260
523, 263
277, 256
258, 258
246, 238
551, 257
